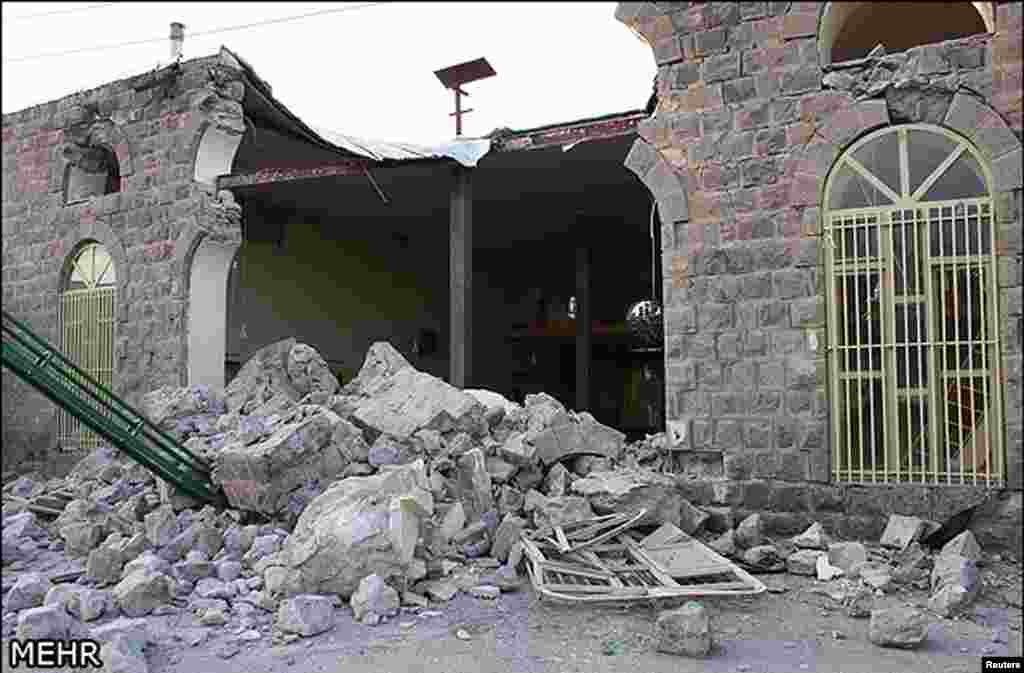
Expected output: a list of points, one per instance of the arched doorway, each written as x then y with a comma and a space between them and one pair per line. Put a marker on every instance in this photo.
87, 317
914, 336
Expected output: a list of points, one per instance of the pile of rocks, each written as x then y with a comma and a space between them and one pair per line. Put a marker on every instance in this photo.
388, 492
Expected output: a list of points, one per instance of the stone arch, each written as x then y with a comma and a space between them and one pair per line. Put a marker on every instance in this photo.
215, 153
833, 16
100, 232
204, 252
967, 114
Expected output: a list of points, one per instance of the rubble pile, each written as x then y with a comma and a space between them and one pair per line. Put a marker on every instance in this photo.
396, 490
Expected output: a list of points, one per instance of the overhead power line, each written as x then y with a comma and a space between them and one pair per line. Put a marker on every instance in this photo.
202, 33
42, 15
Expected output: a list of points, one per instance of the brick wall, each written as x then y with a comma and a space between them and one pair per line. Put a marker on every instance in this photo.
154, 127
748, 125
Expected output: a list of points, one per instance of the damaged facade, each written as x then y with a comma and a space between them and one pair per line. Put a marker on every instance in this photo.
213, 222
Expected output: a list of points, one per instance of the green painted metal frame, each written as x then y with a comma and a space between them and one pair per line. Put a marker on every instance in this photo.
47, 370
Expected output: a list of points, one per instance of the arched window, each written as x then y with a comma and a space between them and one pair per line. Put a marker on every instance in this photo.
87, 329
913, 332
850, 30
92, 171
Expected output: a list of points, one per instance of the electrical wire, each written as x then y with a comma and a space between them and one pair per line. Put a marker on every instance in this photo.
212, 31
56, 12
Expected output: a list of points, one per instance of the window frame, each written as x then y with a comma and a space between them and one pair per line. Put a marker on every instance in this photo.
933, 397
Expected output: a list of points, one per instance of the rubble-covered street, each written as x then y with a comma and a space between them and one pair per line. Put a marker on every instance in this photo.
394, 523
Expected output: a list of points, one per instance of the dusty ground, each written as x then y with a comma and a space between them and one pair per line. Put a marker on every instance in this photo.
791, 631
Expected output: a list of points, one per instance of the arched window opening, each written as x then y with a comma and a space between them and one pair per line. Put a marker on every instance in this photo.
91, 171
87, 330
850, 30
913, 330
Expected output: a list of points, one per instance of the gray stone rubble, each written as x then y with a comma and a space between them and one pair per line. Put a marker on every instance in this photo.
394, 492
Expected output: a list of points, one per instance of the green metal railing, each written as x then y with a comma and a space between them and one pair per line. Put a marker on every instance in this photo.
47, 370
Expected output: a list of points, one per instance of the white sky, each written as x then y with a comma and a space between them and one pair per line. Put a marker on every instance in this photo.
366, 72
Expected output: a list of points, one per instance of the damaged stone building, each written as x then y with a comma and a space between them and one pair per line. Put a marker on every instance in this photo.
802, 261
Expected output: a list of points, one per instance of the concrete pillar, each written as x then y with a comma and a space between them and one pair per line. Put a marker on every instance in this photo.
583, 326
460, 271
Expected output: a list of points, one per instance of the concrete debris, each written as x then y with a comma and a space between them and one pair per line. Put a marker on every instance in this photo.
142, 591
748, 533
725, 544
900, 531
964, 545
692, 519
28, 592
805, 562
685, 631
812, 538
306, 615
825, 571
903, 627
562, 510
374, 601
845, 555
627, 490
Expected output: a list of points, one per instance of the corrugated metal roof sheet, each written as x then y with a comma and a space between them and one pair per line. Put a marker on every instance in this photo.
466, 151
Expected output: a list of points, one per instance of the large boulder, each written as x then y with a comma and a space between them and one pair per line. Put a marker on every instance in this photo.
619, 491
279, 374
139, 593
410, 400
260, 477
685, 631
358, 527
306, 615
903, 627
569, 435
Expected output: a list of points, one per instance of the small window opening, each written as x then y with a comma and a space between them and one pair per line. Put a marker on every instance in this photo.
92, 171
859, 27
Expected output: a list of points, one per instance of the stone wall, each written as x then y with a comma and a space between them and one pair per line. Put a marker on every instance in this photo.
747, 127
154, 124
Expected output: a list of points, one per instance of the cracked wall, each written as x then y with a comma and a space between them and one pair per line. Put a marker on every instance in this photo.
747, 126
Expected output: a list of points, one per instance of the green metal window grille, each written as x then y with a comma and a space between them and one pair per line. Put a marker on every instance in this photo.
913, 333
87, 332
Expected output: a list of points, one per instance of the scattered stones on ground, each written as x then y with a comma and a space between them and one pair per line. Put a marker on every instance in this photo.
685, 631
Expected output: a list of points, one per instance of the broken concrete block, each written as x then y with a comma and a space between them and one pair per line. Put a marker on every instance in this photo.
953, 569
167, 405
902, 627
439, 590
584, 465
532, 500
763, 557
725, 544
306, 615
359, 526
510, 500
507, 535
374, 600
260, 477
557, 480
485, 591
748, 533
28, 592
141, 592
685, 631
562, 510
161, 526
845, 555
454, 521
804, 562
49, 622
147, 561
529, 477
388, 450
409, 400
901, 531
692, 519
496, 405
500, 470
565, 438
517, 450
88, 604
104, 566
812, 538
876, 576
623, 491
473, 484
964, 545
81, 537
825, 570
950, 600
